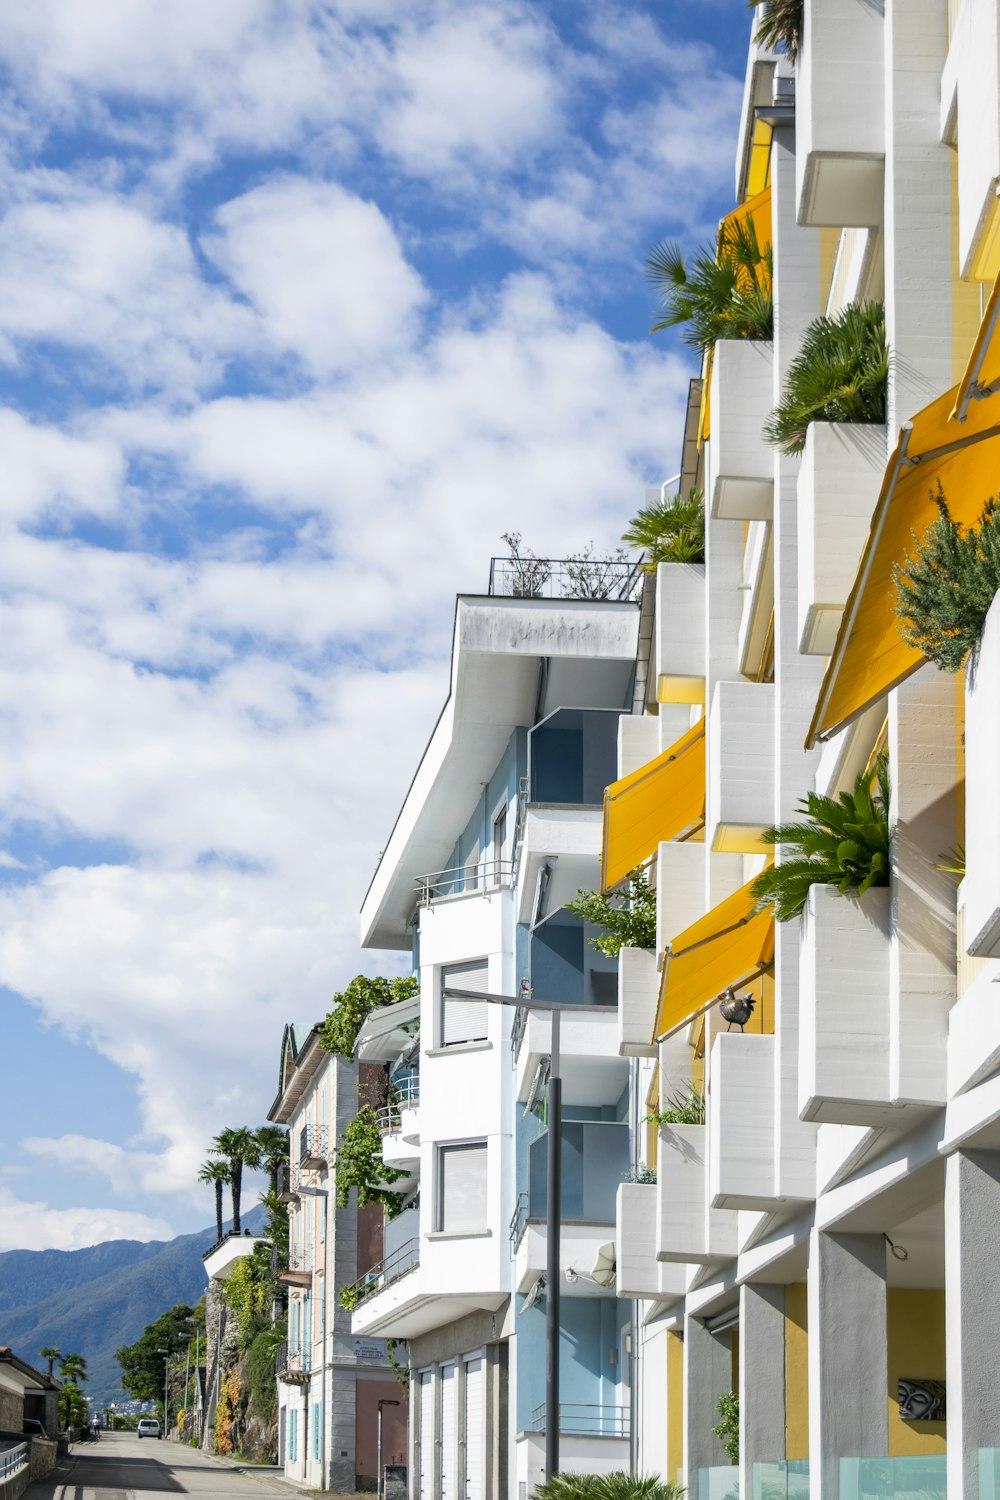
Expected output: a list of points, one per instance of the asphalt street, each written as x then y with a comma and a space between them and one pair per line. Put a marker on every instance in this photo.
124, 1467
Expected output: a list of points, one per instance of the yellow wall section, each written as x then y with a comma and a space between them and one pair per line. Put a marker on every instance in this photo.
675, 1407
829, 242
796, 1372
917, 1352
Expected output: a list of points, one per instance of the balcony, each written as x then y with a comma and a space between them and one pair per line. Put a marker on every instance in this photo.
638, 1272
385, 1273
288, 1181
475, 879
638, 992
740, 465
298, 1272
313, 1146
838, 485
595, 1159
688, 1229
982, 795
740, 799
840, 115
741, 1123
290, 1368
399, 1123
592, 1073
680, 634
564, 578
844, 1008
581, 1419
223, 1255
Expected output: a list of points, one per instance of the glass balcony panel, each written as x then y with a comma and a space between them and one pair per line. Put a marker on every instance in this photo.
782, 1479
721, 1483
989, 1474
595, 1159
922, 1478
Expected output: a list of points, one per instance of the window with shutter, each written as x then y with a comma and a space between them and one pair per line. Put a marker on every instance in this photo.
449, 1434
463, 1020
462, 1188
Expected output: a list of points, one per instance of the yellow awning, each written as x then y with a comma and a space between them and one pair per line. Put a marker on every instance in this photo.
732, 944
660, 801
949, 441
757, 208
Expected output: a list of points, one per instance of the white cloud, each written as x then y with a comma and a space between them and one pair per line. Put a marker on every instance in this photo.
50, 473
322, 268
35, 1226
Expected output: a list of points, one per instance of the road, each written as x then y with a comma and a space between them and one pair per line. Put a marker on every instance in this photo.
124, 1467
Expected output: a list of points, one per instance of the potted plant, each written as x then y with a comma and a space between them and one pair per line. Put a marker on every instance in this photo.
839, 374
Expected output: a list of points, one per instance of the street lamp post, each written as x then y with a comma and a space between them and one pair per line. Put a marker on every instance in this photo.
318, 1192
553, 1203
379, 1470
166, 1367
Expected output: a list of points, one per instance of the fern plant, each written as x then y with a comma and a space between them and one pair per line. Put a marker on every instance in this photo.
670, 530
723, 292
628, 916
945, 589
843, 842
780, 27
839, 375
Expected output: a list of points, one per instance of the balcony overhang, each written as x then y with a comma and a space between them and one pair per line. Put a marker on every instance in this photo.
498, 651
221, 1258
409, 1308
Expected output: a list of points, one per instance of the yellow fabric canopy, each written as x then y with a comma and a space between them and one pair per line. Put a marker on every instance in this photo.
951, 441
660, 801
732, 944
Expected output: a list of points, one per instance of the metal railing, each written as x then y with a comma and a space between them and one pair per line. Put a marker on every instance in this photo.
385, 1272
404, 1095
479, 877
565, 578
312, 1143
519, 1219
577, 1418
13, 1460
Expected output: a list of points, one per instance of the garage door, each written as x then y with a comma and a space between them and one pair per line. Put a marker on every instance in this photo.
426, 1435
449, 1432
475, 1446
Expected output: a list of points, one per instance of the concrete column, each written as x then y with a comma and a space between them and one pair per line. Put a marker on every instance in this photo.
762, 1379
797, 679
972, 1303
848, 1355
923, 763
708, 1374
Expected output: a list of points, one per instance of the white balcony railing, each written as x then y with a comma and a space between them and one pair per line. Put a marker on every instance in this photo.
476, 878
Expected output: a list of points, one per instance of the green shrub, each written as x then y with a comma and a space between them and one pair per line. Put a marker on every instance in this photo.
780, 28
628, 916
359, 1165
839, 375
945, 589
842, 842
723, 292
684, 1107
259, 1367
727, 1429
618, 1485
671, 530
339, 1031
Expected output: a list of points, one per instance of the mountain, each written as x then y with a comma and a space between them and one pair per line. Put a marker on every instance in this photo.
92, 1301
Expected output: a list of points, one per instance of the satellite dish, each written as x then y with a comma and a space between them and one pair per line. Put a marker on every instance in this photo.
606, 1265
534, 1294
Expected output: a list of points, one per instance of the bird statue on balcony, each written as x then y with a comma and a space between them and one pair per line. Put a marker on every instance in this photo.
736, 1009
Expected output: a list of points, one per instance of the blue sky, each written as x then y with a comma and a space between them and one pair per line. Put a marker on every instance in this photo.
301, 305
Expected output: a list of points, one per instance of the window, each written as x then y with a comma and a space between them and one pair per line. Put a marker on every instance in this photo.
463, 1020
316, 1431
462, 1188
499, 843
293, 1431
293, 1327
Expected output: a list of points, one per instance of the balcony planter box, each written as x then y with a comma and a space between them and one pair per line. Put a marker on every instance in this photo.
844, 1008
740, 799
688, 1230
680, 633
640, 1274
739, 464
840, 114
981, 887
741, 1130
637, 996
838, 485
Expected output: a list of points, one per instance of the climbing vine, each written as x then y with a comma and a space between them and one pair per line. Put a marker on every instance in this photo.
339, 1032
360, 1166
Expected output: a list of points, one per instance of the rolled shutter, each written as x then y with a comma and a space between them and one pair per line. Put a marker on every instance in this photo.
464, 1020
475, 1488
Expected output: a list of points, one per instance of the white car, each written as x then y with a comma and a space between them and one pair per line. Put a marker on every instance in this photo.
148, 1427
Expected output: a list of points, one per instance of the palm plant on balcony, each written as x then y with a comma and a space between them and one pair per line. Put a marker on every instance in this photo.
683, 1107
842, 842
945, 589
780, 27
339, 1032
840, 374
618, 1485
721, 292
670, 530
628, 916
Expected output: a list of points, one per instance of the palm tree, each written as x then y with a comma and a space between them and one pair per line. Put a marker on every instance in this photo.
273, 1143
51, 1353
780, 28
216, 1172
670, 530
73, 1368
722, 293
242, 1150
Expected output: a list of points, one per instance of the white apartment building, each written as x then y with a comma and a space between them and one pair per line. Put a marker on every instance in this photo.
824, 1243
341, 1412
500, 828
